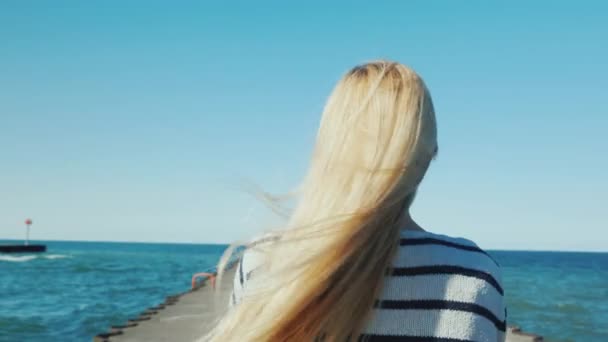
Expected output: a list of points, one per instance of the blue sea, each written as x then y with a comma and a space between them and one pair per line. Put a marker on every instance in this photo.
79, 289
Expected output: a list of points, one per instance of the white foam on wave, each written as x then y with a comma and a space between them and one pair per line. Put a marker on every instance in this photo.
20, 258
24, 258
56, 256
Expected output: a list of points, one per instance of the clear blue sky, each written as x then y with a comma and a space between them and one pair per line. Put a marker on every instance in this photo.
138, 121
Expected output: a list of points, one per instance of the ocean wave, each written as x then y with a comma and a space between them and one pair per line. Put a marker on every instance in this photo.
20, 258
25, 258
56, 256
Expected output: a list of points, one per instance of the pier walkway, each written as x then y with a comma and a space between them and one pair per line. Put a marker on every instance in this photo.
186, 317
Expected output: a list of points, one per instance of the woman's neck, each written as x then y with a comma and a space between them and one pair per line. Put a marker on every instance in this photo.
410, 224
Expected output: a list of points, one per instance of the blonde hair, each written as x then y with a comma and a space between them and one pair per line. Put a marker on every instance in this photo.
322, 273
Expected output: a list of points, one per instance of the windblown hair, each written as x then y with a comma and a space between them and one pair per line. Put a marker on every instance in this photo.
321, 274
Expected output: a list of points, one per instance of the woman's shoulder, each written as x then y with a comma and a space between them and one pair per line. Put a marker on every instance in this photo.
253, 255
451, 277
422, 247
422, 234
457, 261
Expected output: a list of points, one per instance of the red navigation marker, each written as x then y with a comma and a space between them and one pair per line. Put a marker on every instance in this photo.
28, 223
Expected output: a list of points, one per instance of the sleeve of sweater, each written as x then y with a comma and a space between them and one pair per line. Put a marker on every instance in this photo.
502, 335
249, 262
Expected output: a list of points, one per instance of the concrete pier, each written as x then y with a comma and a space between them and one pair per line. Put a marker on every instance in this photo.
22, 248
186, 317
183, 317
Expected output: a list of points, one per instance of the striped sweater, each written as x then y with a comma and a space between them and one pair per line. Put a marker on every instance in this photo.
441, 289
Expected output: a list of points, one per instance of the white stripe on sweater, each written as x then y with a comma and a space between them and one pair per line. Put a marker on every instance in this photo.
437, 323
444, 287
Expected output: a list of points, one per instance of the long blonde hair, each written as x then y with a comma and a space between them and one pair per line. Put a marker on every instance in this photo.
322, 273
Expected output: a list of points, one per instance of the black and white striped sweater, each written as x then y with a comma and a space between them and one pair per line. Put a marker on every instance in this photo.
441, 289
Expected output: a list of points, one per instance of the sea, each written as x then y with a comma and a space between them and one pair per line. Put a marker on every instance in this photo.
79, 289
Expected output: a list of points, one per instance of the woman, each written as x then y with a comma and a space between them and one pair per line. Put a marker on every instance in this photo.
351, 262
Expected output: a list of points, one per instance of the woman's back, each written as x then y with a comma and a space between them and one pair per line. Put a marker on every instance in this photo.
324, 272
440, 289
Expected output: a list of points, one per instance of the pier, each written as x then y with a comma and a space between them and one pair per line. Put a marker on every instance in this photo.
22, 248
25, 247
186, 317
181, 318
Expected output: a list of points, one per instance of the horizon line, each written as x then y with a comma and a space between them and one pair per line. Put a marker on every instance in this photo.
228, 244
